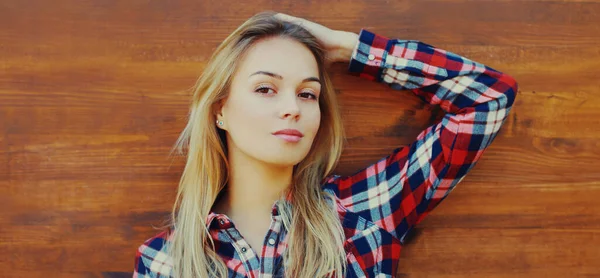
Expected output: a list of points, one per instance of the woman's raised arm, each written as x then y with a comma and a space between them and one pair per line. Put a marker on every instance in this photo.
398, 191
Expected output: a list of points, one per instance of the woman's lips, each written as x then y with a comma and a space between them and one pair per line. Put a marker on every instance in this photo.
289, 135
289, 138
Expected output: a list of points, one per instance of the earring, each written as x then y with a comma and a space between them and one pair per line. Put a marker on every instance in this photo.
219, 122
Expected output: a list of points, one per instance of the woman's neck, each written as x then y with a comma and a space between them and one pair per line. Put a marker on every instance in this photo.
253, 186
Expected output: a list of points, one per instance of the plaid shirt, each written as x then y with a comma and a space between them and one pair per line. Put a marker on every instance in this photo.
379, 205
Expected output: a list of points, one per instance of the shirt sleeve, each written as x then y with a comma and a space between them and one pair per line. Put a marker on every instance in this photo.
140, 269
399, 190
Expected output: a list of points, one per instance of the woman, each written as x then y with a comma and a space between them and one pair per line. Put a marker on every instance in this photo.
257, 197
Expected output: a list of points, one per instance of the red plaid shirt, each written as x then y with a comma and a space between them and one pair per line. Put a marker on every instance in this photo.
380, 204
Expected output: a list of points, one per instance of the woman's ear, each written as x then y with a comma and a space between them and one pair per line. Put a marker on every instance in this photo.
219, 115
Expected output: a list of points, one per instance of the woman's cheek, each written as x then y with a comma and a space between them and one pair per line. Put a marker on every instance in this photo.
315, 119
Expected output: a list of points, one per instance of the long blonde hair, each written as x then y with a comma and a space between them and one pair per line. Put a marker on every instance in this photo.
316, 238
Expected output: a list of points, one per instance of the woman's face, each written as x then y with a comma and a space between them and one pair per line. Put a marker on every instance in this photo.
276, 87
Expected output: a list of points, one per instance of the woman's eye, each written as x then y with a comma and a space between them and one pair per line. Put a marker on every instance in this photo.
263, 90
308, 95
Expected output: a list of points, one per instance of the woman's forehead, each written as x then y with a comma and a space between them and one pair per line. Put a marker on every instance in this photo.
285, 57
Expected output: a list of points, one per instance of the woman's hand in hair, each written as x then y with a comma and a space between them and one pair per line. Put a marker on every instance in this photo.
338, 44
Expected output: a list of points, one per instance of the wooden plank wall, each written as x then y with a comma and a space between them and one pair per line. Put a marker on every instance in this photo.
93, 95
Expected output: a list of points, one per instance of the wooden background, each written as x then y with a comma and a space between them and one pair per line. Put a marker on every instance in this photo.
94, 93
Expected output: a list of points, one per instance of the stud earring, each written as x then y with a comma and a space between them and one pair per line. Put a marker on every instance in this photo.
219, 122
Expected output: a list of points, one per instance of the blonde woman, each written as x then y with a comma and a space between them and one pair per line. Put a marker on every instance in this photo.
257, 197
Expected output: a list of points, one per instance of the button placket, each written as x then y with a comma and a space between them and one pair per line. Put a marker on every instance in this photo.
249, 258
269, 264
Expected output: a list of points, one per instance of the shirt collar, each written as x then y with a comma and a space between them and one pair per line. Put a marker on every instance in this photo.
222, 221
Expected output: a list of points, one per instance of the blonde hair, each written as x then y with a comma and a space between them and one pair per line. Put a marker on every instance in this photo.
316, 237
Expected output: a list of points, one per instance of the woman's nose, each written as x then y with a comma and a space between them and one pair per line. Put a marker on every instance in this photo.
289, 106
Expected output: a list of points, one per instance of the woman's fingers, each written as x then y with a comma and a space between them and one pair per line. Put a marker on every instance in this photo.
334, 41
285, 17
322, 33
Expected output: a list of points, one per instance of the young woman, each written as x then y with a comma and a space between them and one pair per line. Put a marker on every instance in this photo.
257, 197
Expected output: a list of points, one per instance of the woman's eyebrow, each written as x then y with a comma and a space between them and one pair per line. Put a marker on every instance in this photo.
309, 79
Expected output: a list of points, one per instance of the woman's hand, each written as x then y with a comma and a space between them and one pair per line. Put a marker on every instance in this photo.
338, 44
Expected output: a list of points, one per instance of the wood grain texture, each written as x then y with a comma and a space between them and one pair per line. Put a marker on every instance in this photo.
93, 94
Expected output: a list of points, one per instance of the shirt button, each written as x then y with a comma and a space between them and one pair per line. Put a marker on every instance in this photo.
271, 241
371, 57
244, 249
222, 222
